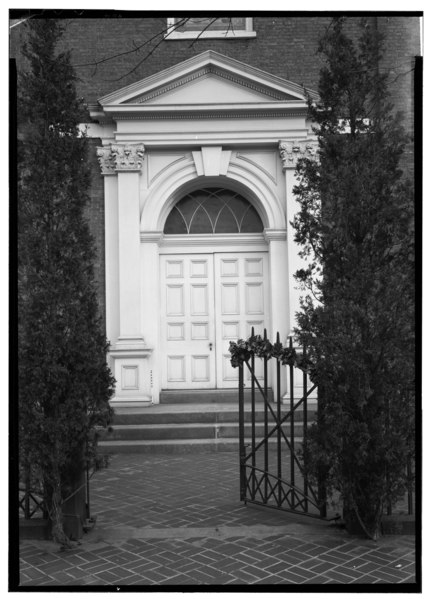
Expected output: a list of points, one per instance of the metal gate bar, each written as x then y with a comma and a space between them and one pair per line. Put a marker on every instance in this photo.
263, 481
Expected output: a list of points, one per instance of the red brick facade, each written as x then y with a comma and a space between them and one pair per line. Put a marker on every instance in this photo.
285, 46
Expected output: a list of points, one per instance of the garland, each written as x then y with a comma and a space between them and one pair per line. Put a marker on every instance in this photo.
242, 350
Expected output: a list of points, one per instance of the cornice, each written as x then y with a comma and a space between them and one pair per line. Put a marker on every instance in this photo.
206, 112
233, 67
204, 72
292, 150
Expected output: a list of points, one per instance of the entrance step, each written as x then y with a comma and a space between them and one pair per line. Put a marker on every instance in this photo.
185, 427
209, 395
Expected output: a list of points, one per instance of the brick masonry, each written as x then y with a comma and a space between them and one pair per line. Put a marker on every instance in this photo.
177, 521
285, 46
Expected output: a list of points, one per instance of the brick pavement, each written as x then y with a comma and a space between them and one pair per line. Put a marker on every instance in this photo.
176, 520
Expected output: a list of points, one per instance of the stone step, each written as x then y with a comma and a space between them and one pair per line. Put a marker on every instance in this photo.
208, 396
169, 446
188, 431
199, 427
175, 446
197, 413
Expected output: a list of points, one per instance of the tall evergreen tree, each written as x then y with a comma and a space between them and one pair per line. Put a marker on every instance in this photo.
64, 382
355, 226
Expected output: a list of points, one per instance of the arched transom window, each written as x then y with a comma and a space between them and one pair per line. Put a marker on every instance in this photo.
213, 210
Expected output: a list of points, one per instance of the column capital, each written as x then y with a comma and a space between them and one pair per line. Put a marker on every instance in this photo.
116, 158
291, 150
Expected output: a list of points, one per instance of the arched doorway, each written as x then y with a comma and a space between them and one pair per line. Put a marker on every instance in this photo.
214, 286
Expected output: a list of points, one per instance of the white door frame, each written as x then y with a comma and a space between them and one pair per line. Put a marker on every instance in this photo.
176, 265
155, 244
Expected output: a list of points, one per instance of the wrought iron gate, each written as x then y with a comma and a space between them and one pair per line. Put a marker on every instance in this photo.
271, 432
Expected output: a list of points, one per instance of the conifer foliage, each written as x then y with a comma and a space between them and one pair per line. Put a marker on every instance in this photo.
64, 382
355, 228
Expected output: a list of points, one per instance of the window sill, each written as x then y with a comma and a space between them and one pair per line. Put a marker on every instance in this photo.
189, 35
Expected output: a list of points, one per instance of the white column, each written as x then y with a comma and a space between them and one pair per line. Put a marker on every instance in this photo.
129, 256
279, 290
129, 353
111, 257
149, 248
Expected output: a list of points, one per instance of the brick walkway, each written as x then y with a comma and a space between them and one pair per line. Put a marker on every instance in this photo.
177, 520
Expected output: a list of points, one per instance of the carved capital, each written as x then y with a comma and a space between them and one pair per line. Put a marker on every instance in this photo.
292, 150
105, 160
120, 157
128, 157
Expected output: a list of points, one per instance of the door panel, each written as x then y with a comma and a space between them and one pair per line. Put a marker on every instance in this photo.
241, 302
208, 300
187, 322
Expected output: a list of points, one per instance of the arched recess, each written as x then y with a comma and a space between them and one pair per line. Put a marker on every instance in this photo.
182, 178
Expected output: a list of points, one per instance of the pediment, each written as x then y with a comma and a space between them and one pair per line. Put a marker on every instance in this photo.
208, 81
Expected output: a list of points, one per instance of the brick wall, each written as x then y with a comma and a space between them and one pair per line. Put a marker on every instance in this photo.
284, 46
402, 45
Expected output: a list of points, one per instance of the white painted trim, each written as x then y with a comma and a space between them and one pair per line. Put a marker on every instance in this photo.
209, 57
171, 34
209, 244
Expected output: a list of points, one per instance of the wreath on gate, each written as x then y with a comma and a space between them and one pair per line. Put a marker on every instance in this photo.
243, 349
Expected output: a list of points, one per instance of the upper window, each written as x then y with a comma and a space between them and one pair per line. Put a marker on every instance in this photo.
209, 27
213, 210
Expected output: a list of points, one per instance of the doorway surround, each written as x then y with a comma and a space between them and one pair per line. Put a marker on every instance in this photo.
164, 137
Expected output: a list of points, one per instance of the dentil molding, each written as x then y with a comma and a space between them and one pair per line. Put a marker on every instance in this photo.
116, 158
292, 150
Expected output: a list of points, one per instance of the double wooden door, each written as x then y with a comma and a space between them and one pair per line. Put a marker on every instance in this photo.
208, 300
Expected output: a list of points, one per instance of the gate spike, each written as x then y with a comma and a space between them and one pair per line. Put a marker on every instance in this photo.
253, 331
278, 337
265, 334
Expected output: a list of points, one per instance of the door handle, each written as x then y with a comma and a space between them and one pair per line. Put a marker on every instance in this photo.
211, 346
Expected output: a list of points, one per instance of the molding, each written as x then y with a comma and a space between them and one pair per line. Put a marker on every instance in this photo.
130, 353
136, 385
205, 72
209, 57
257, 165
160, 172
282, 109
116, 157
292, 150
191, 35
151, 236
216, 240
174, 34
275, 235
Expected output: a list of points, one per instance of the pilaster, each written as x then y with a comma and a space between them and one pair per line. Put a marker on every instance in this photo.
290, 152
129, 353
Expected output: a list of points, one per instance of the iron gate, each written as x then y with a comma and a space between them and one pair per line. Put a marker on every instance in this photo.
271, 432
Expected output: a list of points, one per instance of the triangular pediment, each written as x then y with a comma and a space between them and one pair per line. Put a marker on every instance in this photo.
208, 80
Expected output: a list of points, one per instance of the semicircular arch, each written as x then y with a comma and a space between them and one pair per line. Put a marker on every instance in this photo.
181, 178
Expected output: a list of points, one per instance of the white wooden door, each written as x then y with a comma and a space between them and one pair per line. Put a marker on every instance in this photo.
187, 322
241, 300
208, 300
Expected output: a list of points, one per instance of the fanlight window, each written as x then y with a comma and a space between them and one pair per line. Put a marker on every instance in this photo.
213, 210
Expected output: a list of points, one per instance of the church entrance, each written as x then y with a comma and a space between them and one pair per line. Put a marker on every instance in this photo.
208, 299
